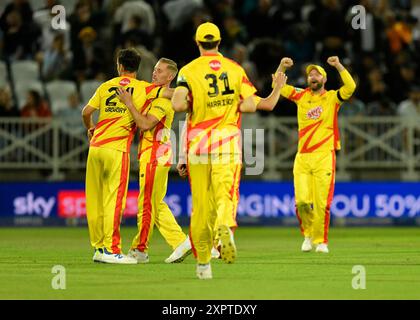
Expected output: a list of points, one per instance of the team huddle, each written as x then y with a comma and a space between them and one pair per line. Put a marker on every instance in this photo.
213, 91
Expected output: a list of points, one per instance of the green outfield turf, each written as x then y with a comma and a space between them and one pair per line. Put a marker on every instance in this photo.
269, 266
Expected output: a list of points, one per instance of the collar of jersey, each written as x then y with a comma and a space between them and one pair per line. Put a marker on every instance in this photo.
212, 54
319, 95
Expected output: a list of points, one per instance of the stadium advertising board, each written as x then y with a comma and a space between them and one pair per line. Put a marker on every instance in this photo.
259, 200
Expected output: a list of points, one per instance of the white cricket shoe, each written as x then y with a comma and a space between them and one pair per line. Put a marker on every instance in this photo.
180, 252
215, 254
322, 248
307, 245
228, 248
109, 257
204, 271
140, 257
97, 256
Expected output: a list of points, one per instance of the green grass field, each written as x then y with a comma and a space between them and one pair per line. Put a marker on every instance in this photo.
269, 266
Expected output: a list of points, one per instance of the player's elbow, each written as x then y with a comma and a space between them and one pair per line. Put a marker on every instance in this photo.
86, 112
248, 105
178, 106
351, 86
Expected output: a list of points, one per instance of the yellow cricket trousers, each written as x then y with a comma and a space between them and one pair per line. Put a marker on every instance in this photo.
106, 191
314, 178
214, 199
153, 180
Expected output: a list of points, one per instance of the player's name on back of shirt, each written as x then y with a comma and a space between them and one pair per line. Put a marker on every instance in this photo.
220, 103
115, 109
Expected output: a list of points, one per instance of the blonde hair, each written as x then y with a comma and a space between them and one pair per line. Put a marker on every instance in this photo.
172, 66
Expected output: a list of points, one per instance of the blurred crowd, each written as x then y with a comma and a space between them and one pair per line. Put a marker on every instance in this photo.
384, 57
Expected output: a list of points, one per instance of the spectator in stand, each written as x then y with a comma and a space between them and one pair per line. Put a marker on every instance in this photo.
55, 62
353, 107
369, 40
381, 107
70, 117
135, 31
24, 9
233, 32
19, 37
43, 18
331, 29
375, 88
411, 106
7, 107
88, 59
399, 32
35, 106
82, 17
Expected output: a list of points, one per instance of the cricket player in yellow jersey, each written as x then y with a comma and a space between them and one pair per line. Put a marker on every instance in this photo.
214, 90
314, 167
108, 161
155, 158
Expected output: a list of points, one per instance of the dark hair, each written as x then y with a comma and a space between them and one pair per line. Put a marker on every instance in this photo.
36, 96
130, 59
209, 45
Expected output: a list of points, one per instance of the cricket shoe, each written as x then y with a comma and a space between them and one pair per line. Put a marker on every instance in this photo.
227, 248
180, 252
204, 271
307, 245
97, 256
140, 257
322, 248
116, 258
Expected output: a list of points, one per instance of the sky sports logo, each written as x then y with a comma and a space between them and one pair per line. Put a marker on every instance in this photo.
32, 205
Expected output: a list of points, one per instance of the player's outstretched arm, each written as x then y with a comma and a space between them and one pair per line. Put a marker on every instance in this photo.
144, 122
349, 86
268, 103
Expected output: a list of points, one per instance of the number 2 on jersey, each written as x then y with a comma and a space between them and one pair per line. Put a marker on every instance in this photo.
109, 102
214, 88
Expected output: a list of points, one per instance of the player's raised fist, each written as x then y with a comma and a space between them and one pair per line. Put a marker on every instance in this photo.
333, 61
286, 63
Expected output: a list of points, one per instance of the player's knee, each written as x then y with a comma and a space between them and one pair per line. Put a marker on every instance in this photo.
303, 207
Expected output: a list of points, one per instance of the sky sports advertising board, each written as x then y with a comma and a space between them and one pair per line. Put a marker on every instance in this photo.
259, 201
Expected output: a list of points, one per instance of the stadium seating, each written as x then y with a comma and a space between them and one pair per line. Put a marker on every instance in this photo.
58, 92
22, 88
37, 4
24, 71
88, 88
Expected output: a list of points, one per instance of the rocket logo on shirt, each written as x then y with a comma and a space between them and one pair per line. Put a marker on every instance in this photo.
314, 113
215, 65
125, 82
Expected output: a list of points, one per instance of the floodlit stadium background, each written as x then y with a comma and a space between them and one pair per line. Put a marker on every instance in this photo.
43, 145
